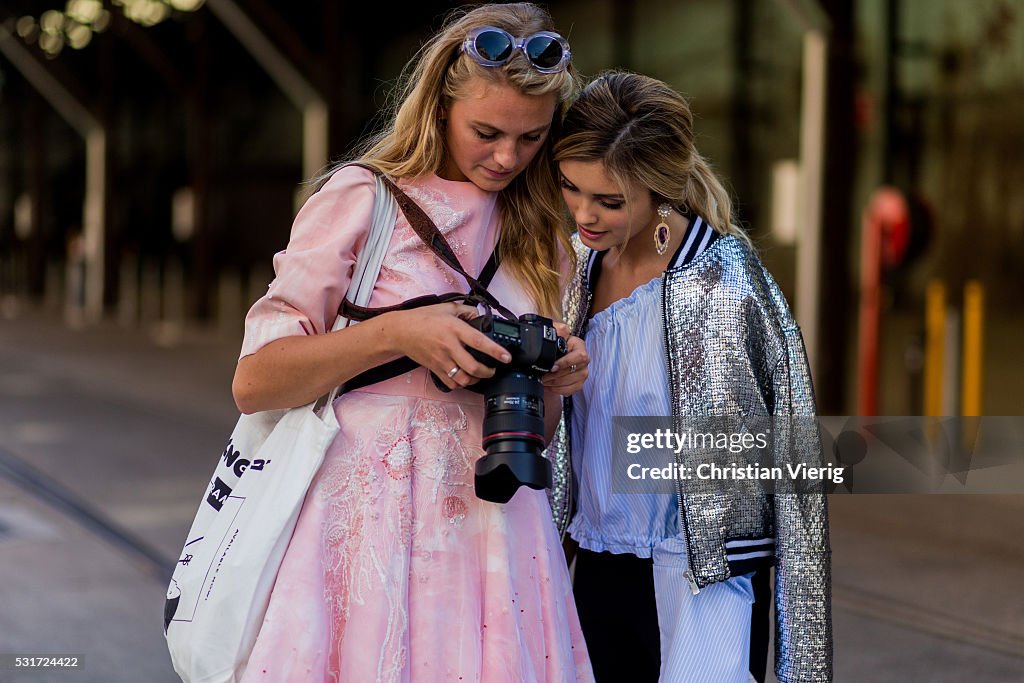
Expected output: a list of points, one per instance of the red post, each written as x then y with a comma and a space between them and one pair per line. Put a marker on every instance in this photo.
886, 219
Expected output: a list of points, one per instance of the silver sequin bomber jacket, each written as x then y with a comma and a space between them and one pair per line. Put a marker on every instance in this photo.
734, 349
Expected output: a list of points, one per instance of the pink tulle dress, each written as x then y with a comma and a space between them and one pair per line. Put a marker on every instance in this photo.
396, 571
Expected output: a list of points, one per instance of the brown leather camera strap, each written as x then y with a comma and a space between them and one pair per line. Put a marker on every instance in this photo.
432, 237
427, 231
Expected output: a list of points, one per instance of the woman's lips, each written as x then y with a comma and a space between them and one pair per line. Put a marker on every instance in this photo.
496, 175
589, 234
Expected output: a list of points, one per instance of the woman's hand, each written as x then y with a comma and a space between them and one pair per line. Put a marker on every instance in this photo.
437, 338
569, 373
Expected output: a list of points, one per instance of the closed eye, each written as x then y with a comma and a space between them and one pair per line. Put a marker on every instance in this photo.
485, 136
611, 205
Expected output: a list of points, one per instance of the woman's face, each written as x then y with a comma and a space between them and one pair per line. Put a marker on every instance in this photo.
603, 215
494, 132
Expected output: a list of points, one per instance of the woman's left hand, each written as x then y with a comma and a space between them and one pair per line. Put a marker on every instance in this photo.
569, 373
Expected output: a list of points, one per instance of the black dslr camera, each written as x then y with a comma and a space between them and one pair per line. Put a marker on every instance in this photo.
513, 430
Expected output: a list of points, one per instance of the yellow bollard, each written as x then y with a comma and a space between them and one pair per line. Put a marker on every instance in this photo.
974, 322
934, 346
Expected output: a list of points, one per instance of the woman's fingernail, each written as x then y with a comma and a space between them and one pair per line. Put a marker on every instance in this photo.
505, 358
554, 368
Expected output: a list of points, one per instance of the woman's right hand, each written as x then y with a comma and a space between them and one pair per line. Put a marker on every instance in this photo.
295, 370
437, 337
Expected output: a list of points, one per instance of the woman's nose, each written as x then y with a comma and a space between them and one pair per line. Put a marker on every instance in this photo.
583, 212
506, 154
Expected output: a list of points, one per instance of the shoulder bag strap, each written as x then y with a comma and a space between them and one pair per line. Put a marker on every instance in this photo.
368, 263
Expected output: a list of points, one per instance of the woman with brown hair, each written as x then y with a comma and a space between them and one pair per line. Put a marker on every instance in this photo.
682, 321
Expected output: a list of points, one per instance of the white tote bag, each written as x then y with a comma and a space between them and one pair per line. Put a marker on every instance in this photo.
221, 585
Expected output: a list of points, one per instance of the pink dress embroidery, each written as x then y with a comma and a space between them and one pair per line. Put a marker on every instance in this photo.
396, 571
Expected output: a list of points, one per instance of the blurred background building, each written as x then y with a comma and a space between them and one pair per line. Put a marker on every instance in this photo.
152, 154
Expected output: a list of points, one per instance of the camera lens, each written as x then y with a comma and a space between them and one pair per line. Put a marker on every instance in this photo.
513, 437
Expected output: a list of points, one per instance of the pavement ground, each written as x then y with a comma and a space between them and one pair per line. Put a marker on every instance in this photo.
108, 437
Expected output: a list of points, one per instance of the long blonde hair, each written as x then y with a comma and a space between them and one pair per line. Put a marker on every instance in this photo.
641, 129
413, 142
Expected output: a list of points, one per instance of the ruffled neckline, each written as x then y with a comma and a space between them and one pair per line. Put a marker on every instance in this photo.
603, 318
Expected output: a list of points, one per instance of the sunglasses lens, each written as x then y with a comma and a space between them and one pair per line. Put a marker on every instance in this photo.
493, 46
544, 51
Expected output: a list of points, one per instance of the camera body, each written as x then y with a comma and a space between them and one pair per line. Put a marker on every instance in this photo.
513, 429
531, 340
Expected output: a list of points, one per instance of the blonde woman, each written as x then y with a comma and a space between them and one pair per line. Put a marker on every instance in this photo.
396, 570
681, 319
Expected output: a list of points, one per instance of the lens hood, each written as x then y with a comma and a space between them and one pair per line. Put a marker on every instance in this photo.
499, 475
